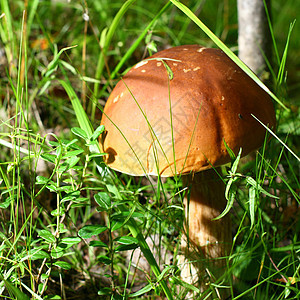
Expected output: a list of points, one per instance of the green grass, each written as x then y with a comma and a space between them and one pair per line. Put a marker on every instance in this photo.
67, 222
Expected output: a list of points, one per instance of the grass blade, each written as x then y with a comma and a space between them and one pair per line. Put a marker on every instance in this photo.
108, 37
280, 141
225, 49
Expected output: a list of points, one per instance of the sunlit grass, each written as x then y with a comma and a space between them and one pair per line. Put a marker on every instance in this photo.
62, 211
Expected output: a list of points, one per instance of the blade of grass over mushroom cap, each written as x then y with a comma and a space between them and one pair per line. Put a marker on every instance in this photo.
85, 124
225, 49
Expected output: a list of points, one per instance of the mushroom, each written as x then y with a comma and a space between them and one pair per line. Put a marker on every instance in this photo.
172, 114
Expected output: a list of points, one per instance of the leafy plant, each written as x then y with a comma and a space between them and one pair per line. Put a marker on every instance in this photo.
66, 220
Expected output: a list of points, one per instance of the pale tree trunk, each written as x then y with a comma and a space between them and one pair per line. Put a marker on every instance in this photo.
254, 39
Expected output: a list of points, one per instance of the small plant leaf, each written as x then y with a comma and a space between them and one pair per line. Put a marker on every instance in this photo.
184, 284
53, 64
236, 162
49, 157
115, 225
97, 132
41, 180
142, 291
98, 244
72, 153
63, 264
71, 162
47, 236
230, 152
38, 254
126, 240
52, 297
228, 187
104, 291
6, 203
252, 182
58, 212
103, 200
96, 155
230, 201
126, 247
71, 240
80, 132
104, 259
252, 193
90, 230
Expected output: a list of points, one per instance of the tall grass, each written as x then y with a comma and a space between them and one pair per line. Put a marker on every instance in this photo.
68, 223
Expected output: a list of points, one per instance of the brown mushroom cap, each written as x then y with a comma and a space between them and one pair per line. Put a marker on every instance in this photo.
174, 119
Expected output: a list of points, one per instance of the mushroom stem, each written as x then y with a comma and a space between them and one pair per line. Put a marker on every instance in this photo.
207, 242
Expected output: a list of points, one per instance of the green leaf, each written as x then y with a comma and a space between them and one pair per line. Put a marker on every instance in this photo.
256, 185
81, 116
79, 132
58, 252
13, 290
103, 200
68, 67
104, 291
115, 225
53, 64
6, 203
38, 254
70, 144
54, 143
70, 240
71, 196
230, 152
236, 162
98, 244
126, 247
47, 236
126, 240
96, 155
228, 187
104, 259
52, 297
185, 284
252, 194
51, 186
72, 161
90, 230
41, 180
62, 264
72, 153
142, 291
230, 201
120, 219
97, 132
49, 157
44, 276
58, 212
125, 214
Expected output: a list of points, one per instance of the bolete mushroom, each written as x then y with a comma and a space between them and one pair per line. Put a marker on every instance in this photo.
172, 114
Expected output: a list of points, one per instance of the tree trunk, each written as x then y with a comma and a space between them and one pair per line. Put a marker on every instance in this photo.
254, 37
